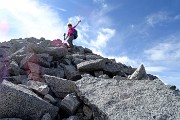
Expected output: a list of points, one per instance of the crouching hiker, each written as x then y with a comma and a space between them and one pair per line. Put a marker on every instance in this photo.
72, 34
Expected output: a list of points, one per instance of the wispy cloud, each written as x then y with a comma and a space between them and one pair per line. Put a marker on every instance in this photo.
177, 17
101, 2
27, 18
169, 50
160, 17
61, 9
155, 69
157, 18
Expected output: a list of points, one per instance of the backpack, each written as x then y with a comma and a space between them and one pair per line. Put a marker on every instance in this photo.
75, 33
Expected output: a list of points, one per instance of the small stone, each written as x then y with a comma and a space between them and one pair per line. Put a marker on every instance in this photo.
46, 116
73, 118
87, 111
93, 57
172, 87
86, 50
10, 119
104, 76
70, 103
61, 87
49, 98
91, 65
39, 87
139, 74
34, 76
14, 68
71, 73
98, 73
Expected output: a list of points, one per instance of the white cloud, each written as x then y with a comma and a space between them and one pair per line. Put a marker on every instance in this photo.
167, 51
104, 35
61, 9
177, 17
155, 68
160, 17
27, 18
126, 60
157, 18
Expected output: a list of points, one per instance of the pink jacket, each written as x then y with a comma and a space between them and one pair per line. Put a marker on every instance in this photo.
71, 30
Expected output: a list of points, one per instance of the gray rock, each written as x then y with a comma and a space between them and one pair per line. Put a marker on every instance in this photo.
86, 75
81, 49
45, 43
18, 58
61, 87
113, 69
104, 76
91, 65
3, 70
77, 61
21, 51
20, 79
29, 58
71, 73
70, 103
172, 87
57, 51
11, 119
78, 56
47, 116
44, 59
129, 99
139, 74
86, 50
17, 44
120, 78
152, 77
13, 68
69, 56
98, 73
66, 61
93, 57
33, 40
39, 87
73, 118
35, 77
42, 39
49, 98
87, 112
35, 48
58, 72
19, 102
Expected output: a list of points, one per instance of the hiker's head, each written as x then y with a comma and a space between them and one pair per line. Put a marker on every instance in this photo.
69, 25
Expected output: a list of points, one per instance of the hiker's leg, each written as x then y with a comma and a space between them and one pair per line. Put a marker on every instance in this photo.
70, 41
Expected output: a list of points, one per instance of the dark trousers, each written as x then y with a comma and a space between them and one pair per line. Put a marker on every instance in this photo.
70, 41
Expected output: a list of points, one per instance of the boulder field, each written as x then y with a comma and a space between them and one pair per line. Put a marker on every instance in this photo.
42, 81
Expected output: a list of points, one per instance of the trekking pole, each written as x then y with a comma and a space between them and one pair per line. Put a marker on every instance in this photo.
64, 38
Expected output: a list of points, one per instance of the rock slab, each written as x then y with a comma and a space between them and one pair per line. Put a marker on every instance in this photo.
129, 99
19, 102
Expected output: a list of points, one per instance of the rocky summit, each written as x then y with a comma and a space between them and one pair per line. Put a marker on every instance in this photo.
40, 80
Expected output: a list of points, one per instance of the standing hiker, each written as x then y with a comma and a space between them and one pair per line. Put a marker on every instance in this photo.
72, 34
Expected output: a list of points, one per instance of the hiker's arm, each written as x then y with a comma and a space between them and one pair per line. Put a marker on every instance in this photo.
77, 23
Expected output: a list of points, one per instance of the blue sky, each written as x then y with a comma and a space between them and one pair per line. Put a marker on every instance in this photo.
132, 31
